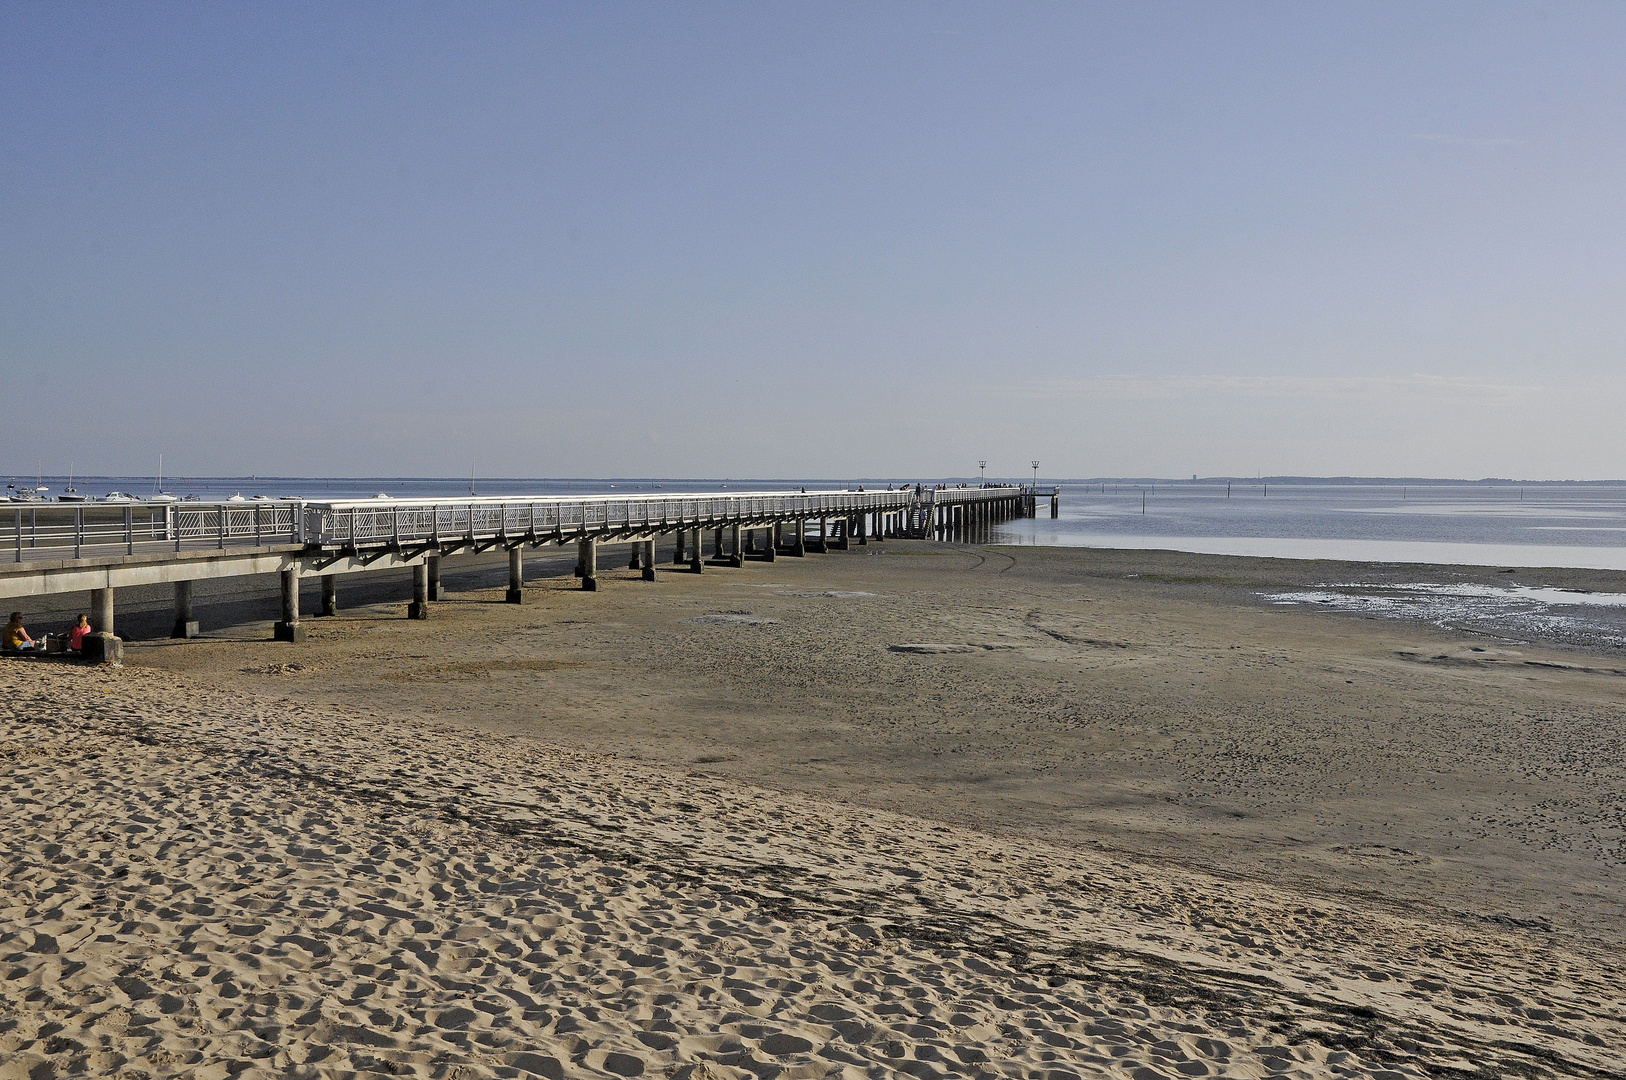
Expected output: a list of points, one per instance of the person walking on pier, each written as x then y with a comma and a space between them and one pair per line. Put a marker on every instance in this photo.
15, 638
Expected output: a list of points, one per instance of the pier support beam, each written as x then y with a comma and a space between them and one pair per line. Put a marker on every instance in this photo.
858, 520
770, 543
589, 561
330, 594
736, 557
649, 559
433, 562
677, 548
798, 544
635, 560
289, 629
185, 625
419, 608
1055, 506
101, 610
696, 562
516, 576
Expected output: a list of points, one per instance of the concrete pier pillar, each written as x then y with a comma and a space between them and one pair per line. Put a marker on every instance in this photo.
185, 625
1055, 506
330, 594
635, 560
858, 527
419, 608
589, 561
288, 629
433, 562
696, 562
736, 557
880, 527
717, 544
516, 576
677, 548
101, 610
649, 559
824, 535
770, 543
798, 543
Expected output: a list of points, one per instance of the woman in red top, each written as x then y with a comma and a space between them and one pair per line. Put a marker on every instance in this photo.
76, 636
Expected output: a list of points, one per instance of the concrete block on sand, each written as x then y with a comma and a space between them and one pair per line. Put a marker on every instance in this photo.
102, 649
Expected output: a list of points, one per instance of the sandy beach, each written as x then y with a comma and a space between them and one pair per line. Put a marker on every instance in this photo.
910, 809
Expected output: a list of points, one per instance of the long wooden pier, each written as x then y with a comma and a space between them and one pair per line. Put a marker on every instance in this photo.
100, 548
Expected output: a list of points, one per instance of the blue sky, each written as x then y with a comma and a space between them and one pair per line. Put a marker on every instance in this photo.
821, 239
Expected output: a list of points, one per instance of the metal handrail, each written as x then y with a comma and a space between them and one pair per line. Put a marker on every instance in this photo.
976, 494
407, 521
54, 530
78, 530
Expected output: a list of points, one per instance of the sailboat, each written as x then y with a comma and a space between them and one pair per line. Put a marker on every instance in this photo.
159, 495
70, 493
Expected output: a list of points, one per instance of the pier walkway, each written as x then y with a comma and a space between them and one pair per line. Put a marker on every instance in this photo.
101, 547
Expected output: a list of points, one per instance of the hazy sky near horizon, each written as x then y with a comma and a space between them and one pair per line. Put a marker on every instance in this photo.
814, 239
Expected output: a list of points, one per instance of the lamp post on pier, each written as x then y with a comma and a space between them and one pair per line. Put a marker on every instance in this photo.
982, 472
1035, 476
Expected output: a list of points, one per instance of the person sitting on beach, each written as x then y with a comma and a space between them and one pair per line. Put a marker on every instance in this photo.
76, 635
14, 638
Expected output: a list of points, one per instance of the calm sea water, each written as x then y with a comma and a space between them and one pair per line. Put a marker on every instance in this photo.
1480, 524
1483, 524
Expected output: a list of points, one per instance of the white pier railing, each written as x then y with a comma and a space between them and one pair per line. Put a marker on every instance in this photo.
73, 531
376, 522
